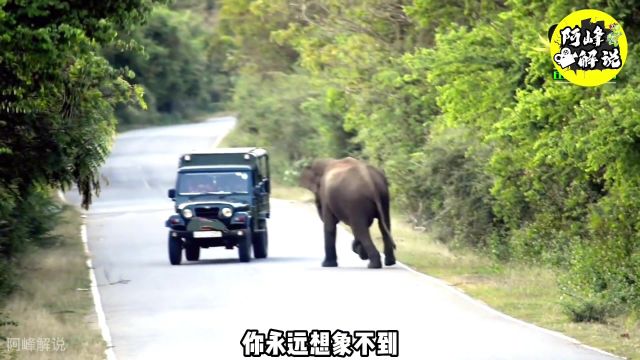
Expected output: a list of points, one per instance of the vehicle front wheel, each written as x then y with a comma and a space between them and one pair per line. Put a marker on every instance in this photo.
175, 251
192, 252
261, 244
244, 247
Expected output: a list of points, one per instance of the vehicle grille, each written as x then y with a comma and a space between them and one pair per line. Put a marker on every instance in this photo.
211, 213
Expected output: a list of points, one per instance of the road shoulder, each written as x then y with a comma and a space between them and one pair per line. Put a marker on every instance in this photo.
52, 311
524, 292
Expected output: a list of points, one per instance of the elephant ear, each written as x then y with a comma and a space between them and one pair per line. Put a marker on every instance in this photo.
307, 179
312, 174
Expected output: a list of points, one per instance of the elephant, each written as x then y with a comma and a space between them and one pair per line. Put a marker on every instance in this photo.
350, 191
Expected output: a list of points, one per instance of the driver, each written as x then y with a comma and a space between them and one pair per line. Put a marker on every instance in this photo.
200, 184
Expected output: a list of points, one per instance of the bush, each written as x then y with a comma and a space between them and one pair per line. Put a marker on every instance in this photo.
180, 68
24, 222
586, 309
604, 270
478, 142
452, 188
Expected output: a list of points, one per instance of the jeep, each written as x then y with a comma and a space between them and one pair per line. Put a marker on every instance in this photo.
221, 199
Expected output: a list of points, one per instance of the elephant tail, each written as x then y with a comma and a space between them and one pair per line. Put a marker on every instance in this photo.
384, 220
383, 216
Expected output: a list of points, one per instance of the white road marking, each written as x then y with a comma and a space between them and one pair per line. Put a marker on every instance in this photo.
95, 294
463, 295
443, 284
102, 322
146, 183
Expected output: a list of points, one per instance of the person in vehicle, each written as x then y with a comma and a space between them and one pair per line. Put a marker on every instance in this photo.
199, 184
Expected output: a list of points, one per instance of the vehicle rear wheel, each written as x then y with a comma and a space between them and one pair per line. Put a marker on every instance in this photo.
261, 244
175, 251
244, 247
192, 252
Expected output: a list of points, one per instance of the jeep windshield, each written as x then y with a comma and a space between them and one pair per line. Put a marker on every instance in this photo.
213, 183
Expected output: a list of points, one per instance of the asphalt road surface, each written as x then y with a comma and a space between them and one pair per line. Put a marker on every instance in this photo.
201, 310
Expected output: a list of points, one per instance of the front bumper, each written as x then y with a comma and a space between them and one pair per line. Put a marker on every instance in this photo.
227, 238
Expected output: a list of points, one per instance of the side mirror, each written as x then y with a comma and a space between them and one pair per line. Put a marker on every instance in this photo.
267, 186
172, 193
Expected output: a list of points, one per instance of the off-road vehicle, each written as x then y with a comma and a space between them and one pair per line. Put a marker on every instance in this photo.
221, 199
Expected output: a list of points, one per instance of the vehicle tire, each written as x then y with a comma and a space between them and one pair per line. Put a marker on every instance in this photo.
175, 251
261, 244
244, 247
192, 252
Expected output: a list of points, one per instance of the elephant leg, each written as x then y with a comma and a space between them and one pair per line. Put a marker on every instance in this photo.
389, 256
331, 257
357, 248
363, 236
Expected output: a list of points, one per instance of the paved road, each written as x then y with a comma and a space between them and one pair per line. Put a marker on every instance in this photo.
201, 310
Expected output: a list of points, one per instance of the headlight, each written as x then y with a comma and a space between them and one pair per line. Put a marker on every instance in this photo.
187, 213
226, 212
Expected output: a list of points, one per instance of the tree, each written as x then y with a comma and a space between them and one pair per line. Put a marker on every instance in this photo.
56, 106
179, 61
57, 102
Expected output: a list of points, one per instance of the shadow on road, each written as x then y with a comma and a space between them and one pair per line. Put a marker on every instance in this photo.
227, 261
211, 262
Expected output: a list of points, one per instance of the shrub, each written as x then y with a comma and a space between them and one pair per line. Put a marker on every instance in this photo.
24, 222
604, 271
455, 191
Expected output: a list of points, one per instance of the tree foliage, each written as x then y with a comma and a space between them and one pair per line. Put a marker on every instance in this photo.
57, 101
178, 59
456, 102
58, 93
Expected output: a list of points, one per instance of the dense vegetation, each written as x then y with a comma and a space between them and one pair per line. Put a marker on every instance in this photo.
178, 59
70, 73
57, 101
455, 100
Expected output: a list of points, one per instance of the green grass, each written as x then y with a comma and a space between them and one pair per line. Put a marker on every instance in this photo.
524, 291
53, 299
291, 193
